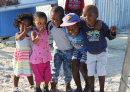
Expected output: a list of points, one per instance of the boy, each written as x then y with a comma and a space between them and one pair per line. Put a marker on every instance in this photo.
74, 6
63, 49
71, 27
96, 45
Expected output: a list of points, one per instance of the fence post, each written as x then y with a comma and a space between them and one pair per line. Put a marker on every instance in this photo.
125, 69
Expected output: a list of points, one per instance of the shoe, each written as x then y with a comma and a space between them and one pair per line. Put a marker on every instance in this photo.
77, 90
32, 87
15, 89
38, 90
45, 89
53, 86
86, 89
68, 87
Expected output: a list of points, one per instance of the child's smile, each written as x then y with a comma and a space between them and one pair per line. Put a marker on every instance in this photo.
73, 30
89, 17
56, 19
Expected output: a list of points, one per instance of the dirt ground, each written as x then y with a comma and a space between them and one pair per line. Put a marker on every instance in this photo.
116, 55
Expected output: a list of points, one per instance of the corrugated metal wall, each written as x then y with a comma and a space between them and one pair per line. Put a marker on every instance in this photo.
114, 12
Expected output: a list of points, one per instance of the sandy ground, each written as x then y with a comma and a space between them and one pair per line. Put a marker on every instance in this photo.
114, 66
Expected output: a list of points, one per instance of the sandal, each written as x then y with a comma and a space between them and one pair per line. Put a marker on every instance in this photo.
15, 89
32, 87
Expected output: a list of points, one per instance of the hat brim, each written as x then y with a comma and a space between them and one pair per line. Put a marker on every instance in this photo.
68, 24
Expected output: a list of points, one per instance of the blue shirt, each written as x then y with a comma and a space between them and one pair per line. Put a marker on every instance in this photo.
77, 42
95, 39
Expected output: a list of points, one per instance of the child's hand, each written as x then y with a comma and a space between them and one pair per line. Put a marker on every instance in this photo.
98, 25
113, 29
27, 29
41, 31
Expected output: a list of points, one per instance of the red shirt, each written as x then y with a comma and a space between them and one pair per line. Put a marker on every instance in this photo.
75, 6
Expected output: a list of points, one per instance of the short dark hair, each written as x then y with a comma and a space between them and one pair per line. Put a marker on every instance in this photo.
58, 9
39, 14
93, 8
21, 17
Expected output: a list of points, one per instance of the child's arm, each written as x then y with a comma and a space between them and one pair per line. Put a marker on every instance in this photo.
35, 39
109, 33
98, 24
21, 36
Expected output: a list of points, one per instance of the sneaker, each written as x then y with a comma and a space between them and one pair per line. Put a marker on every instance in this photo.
45, 89
38, 90
15, 89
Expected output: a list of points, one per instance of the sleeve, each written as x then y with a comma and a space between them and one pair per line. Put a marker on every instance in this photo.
106, 32
49, 29
66, 5
82, 5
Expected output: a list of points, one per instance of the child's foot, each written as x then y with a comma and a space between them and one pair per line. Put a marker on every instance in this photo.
15, 89
78, 90
38, 90
86, 89
53, 86
68, 87
33, 87
45, 89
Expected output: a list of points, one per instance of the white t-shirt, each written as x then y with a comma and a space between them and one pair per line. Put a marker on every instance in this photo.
60, 40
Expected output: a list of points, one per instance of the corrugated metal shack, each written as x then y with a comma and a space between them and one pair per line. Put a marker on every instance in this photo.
114, 12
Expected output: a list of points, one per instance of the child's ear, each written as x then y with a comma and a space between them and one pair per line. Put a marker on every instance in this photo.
97, 16
34, 23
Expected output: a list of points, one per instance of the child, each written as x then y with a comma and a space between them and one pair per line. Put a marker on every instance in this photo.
72, 30
74, 6
63, 49
22, 53
41, 54
96, 45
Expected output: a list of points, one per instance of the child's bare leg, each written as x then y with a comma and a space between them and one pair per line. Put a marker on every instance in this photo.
16, 80
83, 70
46, 87
102, 83
91, 83
38, 85
46, 84
38, 89
30, 80
76, 75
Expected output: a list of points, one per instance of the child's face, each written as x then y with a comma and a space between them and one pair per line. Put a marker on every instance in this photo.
89, 17
73, 30
25, 23
40, 22
56, 19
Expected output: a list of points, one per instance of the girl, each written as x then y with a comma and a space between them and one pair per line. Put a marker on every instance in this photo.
41, 54
22, 53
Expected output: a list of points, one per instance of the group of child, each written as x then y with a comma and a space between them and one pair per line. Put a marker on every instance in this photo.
77, 45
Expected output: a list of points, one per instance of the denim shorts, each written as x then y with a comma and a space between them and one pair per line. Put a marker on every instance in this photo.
82, 56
